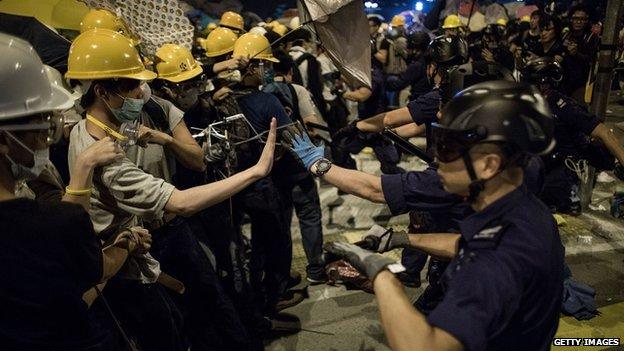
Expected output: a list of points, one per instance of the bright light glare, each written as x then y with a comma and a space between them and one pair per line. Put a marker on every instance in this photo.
419, 6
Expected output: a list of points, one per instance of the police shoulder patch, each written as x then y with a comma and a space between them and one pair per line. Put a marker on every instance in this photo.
488, 233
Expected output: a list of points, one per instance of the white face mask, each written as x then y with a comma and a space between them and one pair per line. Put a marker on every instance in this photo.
41, 159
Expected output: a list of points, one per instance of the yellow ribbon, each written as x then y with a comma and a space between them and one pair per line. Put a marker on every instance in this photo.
110, 131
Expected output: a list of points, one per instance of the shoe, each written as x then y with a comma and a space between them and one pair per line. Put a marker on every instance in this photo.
317, 279
289, 299
293, 280
409, 280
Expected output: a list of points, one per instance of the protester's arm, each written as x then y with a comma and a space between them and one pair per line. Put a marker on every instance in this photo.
360, 94
382, 55
607, 137
405, 327
102, 152
231, 64
189, 201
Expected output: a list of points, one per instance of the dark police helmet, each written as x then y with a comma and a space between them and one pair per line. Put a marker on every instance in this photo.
542, 70
469, 74
448, 51
512, 114
418, 41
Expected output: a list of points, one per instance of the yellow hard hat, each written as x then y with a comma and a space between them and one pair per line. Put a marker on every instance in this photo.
220, 41
280, 29
525, 18
102, 54
106, 20
66, 14
397, 20
501, 22
176, 63
254, 46
451, 21
232, 20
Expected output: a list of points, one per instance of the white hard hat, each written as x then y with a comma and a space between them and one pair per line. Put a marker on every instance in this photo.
258, 30
24, 83
55, 77
294, 23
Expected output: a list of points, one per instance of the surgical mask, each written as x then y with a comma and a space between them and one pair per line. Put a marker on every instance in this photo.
41, 158
187, 99
147, 92
130, 110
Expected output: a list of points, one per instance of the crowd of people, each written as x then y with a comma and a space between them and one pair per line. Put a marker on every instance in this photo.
153, 164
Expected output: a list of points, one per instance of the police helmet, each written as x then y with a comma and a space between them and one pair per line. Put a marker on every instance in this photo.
418, 41
448, 51
514, 115
542, 70
469, 74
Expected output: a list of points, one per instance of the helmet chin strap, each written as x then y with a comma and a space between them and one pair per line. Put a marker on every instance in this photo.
476, 185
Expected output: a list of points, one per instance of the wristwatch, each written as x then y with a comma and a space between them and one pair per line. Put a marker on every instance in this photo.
321, 167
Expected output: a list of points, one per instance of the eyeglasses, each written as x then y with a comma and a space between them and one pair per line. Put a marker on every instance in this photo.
52, 123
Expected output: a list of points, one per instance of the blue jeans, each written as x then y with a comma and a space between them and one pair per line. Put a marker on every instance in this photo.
302, 195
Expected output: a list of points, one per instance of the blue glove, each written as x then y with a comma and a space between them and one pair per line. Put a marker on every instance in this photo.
299, 143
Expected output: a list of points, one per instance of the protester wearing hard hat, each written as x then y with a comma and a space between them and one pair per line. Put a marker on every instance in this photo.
50, 253
218, 47
180, 75
106, 20
452, 25
233, 21
137, 188
271, 238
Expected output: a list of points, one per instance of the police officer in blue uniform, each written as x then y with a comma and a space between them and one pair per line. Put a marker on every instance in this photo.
575, 127
442, 55
504, 283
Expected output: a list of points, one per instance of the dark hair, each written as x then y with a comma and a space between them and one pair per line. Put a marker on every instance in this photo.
545, 21
537, 13
376, 20
271, 36
285, 64
580, 8
111, 85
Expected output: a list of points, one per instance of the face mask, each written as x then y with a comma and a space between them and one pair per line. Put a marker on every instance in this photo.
130, 110
187, 99
147, 92
41, 158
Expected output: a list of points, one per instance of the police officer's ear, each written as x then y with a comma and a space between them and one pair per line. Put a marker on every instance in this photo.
487, 159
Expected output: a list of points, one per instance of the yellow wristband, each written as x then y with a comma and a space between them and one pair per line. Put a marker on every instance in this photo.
81, 192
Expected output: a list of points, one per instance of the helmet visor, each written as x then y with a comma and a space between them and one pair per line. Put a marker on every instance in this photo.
451, 144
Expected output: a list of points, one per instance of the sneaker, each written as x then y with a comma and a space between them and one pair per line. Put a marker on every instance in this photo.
289, 299
317, 279
294, 279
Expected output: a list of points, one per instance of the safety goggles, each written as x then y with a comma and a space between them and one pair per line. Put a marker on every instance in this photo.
450, 144
51, 123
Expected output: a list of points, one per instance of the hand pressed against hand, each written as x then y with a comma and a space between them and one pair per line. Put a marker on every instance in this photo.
265, 163
143, 238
